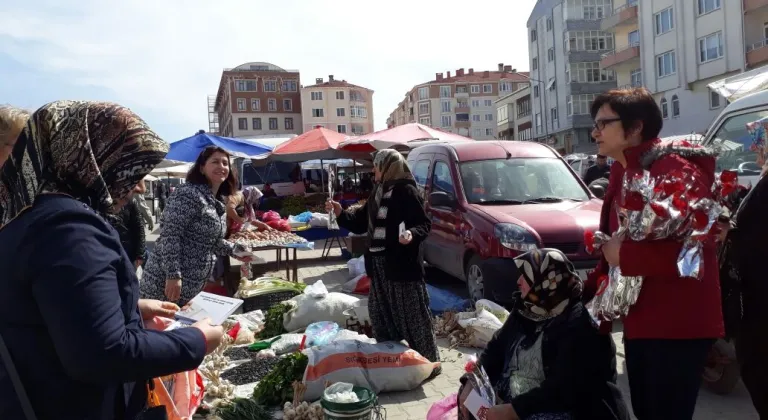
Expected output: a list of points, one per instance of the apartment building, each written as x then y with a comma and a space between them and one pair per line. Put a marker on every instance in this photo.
461, 103
513, 115
337, 105
566, 44
258, 99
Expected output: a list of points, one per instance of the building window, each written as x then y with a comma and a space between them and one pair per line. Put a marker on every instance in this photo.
524, 108
487, 88
553, 115
489, 132
245, 86
535, 63
665, 64
502, 114
586, 9
552, 85
341, 128
340, 112
476, 117
475, 103
588, 72
579, 104
664, 108
706, 6
675, 106
551, 54
273, 123
445, 121
356, 96
549, 24
488, 102
538, 121
242, 123
289, 123
423, 93
711, 47
536, 91
287, 105
589, 41
317, 112
357, 129
505, 86
476, 132
241, 105
256, 123
636, 78
425, 121
270, 86
340, 96
290, 86
445, 106
255, 104
533, 35
445, 91
714, 99
358, 112
272, 104
664, 21
526, 134
424, 108
489, 117
316, 96
474, 88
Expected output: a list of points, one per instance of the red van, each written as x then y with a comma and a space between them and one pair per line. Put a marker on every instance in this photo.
489, 201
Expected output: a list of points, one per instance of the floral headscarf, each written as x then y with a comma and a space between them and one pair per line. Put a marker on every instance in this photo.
547, 283
393, 168
94, 151
251, 196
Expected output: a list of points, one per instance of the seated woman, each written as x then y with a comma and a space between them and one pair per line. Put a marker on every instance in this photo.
549, 361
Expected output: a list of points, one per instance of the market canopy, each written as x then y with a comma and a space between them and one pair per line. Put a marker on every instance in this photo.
315, 144
340, 163
188, 149
401, 135
178, 170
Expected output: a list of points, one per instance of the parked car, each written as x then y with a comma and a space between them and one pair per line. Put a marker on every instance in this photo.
490, 201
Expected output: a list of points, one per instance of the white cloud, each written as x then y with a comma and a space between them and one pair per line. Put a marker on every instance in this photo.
167, 55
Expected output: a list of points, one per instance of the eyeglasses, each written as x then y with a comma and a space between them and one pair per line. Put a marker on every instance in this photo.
600, 124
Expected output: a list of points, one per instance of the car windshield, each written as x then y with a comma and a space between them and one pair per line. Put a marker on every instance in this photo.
520, 180
733, 142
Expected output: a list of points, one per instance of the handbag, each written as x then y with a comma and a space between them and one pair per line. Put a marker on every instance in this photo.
21, 393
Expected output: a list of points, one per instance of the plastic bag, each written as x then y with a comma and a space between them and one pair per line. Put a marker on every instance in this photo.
443, 300
287, 343
303, 217
253, 320
280, 225
316, 290
360, 285
270, 216
356, 266
482, 324
445, 409
308, 310
318, 220
494, 308
341, 392
321, 333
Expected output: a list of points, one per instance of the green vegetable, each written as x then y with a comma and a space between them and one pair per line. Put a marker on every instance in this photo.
277, 387
293, 205
273, 321
244, 409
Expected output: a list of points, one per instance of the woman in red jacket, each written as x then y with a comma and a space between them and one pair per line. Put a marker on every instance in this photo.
669, 330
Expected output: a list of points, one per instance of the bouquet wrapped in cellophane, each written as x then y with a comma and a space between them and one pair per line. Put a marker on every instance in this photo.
655, 208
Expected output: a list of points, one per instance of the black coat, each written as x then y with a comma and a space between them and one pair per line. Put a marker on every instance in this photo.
579, 368
130, 226
403, 262
595, 172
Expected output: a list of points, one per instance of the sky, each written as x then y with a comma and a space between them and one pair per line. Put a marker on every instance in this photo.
162, 58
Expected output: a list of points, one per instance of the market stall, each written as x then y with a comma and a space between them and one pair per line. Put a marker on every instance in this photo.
402, 136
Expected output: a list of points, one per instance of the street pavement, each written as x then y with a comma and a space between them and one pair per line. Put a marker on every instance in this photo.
413, 405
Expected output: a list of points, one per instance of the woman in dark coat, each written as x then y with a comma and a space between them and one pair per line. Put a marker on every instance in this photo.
549, 361
70, 313
398, 301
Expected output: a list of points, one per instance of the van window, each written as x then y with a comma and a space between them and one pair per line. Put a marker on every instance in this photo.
441, 178
733, 143
421, 172
272, 173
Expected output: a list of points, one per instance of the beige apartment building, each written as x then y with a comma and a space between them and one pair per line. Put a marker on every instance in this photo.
337, 105
256, 99
513, 115
461, 103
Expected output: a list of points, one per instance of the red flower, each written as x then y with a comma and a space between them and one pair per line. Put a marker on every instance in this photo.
602, 284
700, 219
670, 187
659, 209
729, 177
686, 143
633, 200
469, 367
589, 241
680, 202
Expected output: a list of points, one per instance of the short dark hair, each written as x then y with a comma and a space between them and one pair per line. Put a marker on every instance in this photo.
634, 106
195, 174
600, 157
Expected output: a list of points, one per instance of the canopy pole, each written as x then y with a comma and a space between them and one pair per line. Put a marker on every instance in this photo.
322, 180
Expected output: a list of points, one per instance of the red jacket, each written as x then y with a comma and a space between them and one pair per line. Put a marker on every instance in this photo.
669, 307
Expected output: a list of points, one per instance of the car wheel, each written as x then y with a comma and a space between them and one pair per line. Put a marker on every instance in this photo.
475, 280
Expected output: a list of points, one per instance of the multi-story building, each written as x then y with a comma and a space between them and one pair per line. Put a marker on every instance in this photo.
213, 117
337, 105
258, 98
513, 115
461, 103
565, 47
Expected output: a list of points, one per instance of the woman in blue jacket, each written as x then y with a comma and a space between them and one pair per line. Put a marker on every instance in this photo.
69, 310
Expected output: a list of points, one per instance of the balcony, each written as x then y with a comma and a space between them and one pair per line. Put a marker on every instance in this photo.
463, 123
754, 5
461, 108
622, 16
757, 53
628, 55
461, 94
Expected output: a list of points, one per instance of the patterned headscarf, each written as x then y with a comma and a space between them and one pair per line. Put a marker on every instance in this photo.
547, 283
94, 151
251, 196
393, 168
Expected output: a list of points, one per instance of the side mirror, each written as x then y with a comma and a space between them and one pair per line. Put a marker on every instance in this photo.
442, 199
597, 190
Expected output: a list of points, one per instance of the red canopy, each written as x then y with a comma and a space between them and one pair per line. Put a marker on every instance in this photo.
318, 143
400, 135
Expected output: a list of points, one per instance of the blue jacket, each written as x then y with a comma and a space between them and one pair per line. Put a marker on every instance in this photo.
69, 315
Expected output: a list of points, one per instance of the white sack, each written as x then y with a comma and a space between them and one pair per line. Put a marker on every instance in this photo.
308, 310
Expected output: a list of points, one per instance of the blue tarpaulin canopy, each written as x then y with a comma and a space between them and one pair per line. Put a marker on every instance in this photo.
188, 149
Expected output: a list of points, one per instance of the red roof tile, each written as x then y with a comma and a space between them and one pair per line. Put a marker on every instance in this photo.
477, 77
336, 83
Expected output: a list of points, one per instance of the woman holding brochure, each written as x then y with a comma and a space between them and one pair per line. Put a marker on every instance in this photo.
192, 232
73, 343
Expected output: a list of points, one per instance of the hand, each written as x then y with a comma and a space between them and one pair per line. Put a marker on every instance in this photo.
173, 289
213, 334
502, 412
333, 205
463, 394
137, 264
406, 237
151, 308
611, 251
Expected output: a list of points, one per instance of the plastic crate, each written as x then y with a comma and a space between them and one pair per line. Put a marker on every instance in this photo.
267, 300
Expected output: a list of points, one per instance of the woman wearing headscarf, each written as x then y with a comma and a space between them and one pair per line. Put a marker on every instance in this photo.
549, 361
69, 310
398, 301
